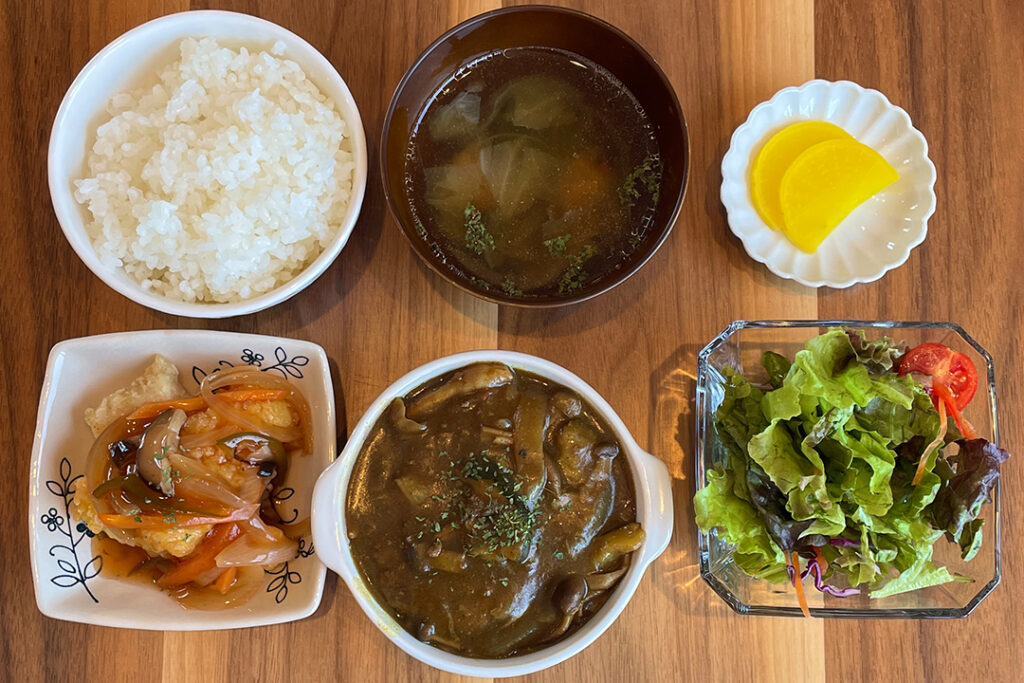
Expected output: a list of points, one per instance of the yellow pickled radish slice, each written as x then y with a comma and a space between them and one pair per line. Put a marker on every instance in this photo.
825, 183
775, 157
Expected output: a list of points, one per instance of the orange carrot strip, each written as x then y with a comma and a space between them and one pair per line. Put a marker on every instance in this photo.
226, 580
798, 583
240, 395
943, 427
204, 558
822, 562
946, 396
173, 520
148, 410
153, 521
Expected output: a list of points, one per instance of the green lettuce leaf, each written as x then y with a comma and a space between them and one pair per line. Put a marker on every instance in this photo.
819, 366
774, 450
777, 366
814, 503
914, 539
897, 422
858, 489
739, 416
737, 419
859, 564
878, 356
782, 404
921, 574
788, 533
829, 370
717, 506
832, 420
871, 449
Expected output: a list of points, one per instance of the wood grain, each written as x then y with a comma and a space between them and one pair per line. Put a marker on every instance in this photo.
968, 107
956, 66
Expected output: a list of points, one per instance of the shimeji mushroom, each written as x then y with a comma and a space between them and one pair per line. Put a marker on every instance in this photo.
158, 441
474, 378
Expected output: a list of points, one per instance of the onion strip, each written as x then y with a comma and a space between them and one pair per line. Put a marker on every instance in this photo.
97, 471
196, 481
297, 530
189, 442
248, 421
250, 551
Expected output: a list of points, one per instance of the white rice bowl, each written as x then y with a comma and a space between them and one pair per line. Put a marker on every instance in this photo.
221, 182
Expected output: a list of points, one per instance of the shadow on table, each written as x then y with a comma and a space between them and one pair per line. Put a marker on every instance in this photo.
676, 574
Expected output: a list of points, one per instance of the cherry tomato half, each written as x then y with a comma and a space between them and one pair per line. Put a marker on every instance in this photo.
951, 368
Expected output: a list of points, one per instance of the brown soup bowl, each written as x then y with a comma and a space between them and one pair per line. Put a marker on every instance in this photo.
549, 27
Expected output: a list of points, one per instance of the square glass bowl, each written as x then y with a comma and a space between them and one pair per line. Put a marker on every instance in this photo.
740, 346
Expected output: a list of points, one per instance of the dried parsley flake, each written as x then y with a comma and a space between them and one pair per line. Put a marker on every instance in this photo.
646, 175
478, 240
556, 245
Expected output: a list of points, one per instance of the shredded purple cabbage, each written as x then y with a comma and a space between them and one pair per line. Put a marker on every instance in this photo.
814, 569
826, 588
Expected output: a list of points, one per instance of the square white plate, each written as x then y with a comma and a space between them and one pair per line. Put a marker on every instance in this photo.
79, 373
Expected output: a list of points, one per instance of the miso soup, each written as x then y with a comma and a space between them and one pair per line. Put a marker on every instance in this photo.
534, 172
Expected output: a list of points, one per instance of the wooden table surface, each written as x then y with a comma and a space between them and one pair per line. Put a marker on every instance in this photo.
957, 67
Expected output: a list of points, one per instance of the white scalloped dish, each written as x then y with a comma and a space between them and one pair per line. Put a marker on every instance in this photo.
875, 237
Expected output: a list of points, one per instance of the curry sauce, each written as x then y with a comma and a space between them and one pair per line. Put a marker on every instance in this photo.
491, 511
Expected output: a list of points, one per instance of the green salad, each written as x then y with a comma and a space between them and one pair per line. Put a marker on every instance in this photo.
843, 459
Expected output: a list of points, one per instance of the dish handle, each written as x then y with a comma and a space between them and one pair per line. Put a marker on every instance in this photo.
327, 517
657, 486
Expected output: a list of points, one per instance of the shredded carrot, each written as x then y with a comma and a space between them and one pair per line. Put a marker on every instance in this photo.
965, 427
152, 521
798, 583
943, 427
226, 580
148, 410
822, 562
203, 558
174, 520
189, 405
240, 395
945, 396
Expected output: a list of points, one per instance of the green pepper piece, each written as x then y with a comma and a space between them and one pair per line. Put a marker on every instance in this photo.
139, 493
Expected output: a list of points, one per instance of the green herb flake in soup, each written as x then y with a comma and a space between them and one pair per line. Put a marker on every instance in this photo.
528, 162
491, 512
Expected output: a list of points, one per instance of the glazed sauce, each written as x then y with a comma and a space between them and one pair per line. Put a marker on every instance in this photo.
533, 172
120, 561
128, 563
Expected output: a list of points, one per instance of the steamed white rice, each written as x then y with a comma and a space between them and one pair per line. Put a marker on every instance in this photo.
221, 182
